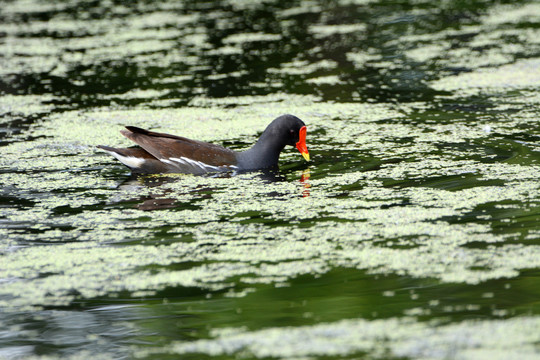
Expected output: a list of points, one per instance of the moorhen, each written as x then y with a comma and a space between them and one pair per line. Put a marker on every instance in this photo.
164, 153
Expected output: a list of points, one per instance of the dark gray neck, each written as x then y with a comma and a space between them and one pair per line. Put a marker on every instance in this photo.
264, 154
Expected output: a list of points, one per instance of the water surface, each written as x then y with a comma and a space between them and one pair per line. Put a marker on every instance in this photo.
412, 233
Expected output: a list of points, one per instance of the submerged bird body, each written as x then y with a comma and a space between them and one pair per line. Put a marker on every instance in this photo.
165, 153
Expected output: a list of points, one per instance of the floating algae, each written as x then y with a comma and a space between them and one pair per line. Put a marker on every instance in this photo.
381, 338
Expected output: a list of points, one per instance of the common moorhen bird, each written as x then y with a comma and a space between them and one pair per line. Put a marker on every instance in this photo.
164, 153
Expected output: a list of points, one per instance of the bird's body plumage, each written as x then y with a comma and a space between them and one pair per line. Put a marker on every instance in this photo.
165, 153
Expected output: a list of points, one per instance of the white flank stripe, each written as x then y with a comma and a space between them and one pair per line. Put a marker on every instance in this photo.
180, 161
131, 161
200, 164
193, 163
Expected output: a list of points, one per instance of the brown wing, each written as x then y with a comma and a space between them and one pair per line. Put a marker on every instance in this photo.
166, 146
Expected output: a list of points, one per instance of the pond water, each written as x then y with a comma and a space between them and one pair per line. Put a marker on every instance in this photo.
412, 233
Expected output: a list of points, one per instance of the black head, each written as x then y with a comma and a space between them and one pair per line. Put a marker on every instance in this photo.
286, 127
284, 130
288, 130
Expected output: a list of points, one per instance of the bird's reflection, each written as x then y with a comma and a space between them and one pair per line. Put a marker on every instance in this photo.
304, 180
163, 197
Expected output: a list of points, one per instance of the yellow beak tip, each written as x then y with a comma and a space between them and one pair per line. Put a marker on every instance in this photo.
306, 156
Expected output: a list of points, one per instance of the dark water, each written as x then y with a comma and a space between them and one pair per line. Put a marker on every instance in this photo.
412, 233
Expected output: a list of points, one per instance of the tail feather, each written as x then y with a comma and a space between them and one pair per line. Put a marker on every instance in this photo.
138, 130
137, 159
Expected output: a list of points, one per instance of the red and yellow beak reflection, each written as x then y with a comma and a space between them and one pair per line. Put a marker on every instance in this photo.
301, 144
304, 180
